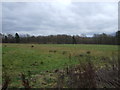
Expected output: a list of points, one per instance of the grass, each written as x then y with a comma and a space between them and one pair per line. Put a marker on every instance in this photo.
24, 58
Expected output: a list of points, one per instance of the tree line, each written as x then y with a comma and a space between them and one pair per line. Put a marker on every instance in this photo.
63, 39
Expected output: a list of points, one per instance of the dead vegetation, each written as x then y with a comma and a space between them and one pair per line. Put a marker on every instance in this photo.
79, 76
83, 75
86, 75
25, 82
6, 82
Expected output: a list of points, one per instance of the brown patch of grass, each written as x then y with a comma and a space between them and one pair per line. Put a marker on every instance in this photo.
25, 82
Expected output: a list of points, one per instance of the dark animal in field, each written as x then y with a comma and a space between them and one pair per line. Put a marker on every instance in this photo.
53, 51
41, 62
64, 52
32, 46
56, 70
81, 55
88, 52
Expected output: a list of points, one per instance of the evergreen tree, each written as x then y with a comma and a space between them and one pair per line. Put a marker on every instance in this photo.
118, 37
6, 39
17, 38
74, 40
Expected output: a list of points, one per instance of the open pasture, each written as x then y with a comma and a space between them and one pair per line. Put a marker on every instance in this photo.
37, 59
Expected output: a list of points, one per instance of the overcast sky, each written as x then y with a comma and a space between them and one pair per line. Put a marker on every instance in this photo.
72, 18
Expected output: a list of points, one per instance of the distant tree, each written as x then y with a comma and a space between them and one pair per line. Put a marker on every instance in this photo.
63, 39
118, 37
83, 35
117, 33
74, 40
11, 38
0, 38
6, 39
17, 38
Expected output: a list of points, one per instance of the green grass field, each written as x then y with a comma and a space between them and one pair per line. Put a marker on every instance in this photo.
22, 58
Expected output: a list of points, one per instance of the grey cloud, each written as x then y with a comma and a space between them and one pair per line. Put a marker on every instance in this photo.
58, 18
